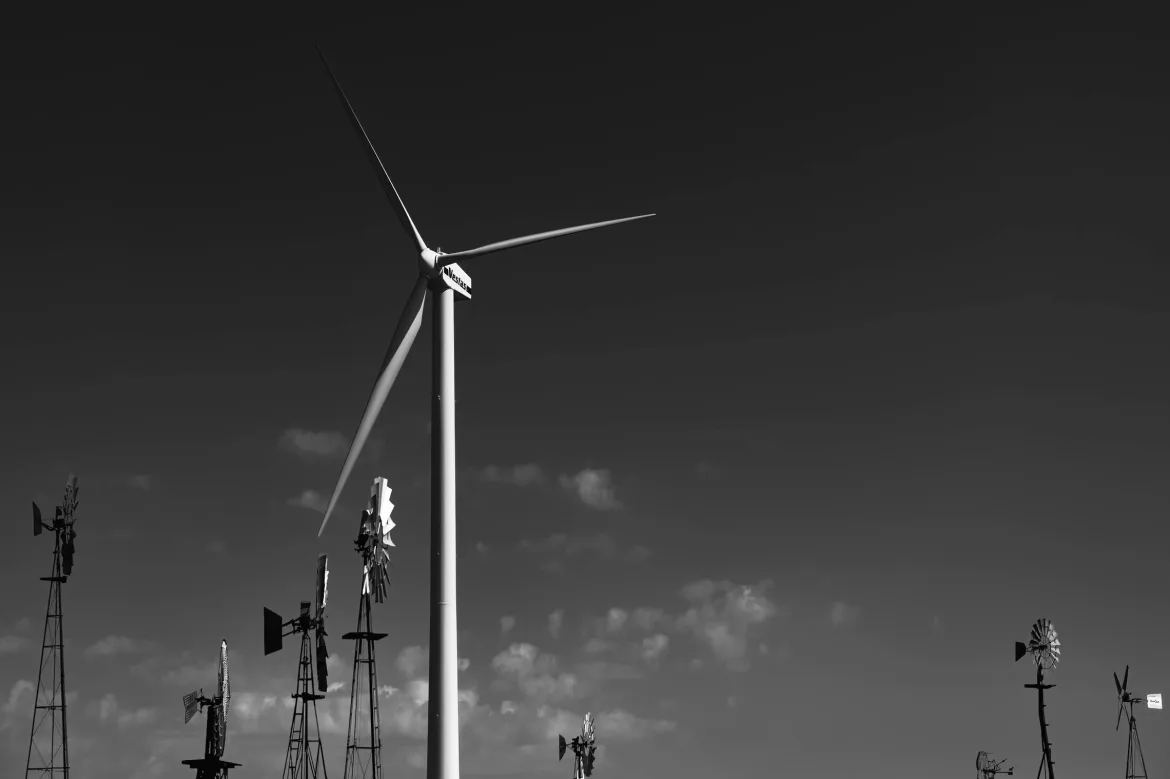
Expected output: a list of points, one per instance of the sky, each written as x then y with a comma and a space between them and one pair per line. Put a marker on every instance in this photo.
771, 482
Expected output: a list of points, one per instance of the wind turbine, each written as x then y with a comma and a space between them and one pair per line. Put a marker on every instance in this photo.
439, 273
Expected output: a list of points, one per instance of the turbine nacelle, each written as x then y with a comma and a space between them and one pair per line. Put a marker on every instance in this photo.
431, 265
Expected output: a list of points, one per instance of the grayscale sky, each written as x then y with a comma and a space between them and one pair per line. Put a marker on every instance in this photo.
770, 483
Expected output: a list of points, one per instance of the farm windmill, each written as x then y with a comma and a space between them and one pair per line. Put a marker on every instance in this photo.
441, 275
584, 749
373, 543
1135, 762
48, 747
212, 765
1044, 648
986, 768
302, 760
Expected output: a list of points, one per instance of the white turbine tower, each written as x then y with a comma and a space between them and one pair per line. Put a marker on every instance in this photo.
438, 272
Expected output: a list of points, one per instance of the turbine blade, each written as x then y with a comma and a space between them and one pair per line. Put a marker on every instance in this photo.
1125, 680
376, 162
404, 334
1118, 726
447, 259
1117, 683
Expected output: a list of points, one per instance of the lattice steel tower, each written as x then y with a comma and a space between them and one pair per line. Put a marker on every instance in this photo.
304, 758
48, 744
365, 759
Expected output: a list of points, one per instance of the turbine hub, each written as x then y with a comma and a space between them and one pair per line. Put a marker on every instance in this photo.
428, 260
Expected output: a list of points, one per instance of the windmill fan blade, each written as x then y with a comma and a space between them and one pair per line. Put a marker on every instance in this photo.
190, 705
1125, 680
561, 747
447, 259
1117, 683
322, 584
400, 345
376, 162
37, 526
1118, 726
322, 663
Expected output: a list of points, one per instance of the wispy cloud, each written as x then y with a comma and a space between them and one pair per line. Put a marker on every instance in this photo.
555, 620
506, 624
600, 544
594, 487
517, 475
115, 645
12, 643
310, 499
723, 614
620, 725
326, 444
108, 710
535, 674
842, 614
937, 624
141, 481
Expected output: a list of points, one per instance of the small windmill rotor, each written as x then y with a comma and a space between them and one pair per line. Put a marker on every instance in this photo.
1043, 645
212, 763
987, 768
218, 704
373, 541
322, 598
1123, 696
589, 743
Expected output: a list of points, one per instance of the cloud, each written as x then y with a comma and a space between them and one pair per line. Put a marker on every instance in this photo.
555, 620
413, 662
310, 499
14, 705
615, 619
108, 711
653, 646
620, 725
481, 547
937, 624
179, 670
328, 444
594, 488
506, 624
723, 613
113, 645
535, 674
12, 644
141, 481
601, 544
23, 625
517, 475
842, 614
